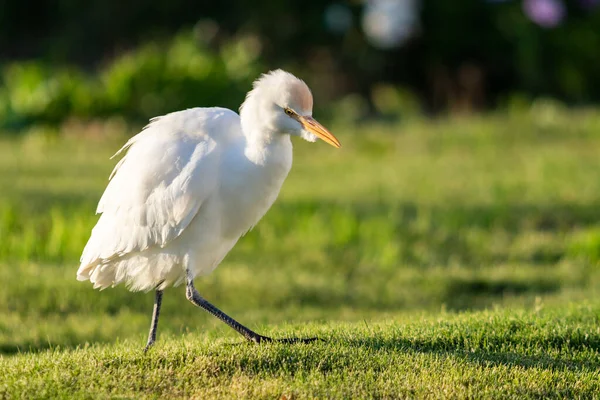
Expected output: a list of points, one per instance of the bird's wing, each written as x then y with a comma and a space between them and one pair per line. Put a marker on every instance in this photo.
156, 189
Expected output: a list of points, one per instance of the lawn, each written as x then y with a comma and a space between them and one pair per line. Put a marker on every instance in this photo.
456, 257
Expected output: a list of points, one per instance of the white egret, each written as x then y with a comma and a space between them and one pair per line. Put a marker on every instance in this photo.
190, 185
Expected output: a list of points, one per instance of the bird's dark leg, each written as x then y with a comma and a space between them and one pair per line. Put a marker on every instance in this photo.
155, 315
193, 296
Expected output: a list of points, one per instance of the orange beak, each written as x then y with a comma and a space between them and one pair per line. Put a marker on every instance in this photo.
313, 126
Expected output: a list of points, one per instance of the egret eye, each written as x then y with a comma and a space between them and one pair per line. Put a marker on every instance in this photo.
289, 112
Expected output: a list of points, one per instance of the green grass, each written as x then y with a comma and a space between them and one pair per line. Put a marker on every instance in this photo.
447, 258
501, 354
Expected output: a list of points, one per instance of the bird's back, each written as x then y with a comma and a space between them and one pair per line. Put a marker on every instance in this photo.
171, 170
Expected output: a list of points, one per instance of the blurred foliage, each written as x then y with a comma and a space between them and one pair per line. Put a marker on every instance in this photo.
151, 80
143, 58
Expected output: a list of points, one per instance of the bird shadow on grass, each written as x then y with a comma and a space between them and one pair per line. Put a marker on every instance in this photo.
481, 357
489, 358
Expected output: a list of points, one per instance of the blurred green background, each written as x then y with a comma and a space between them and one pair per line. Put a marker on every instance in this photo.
468, 176
363, 58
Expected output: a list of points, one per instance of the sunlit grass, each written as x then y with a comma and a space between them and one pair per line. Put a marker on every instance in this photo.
494, 354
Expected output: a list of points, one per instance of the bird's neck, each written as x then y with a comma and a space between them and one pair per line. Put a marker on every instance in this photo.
267, 147
264, 143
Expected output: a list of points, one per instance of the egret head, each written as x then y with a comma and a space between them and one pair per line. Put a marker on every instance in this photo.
281, 103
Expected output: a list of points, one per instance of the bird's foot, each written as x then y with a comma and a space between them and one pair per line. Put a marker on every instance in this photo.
299, 340
266, 339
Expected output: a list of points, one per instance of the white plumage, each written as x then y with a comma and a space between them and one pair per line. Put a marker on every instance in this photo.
194, 181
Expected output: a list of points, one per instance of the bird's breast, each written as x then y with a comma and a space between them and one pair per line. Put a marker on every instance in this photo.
250, 190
